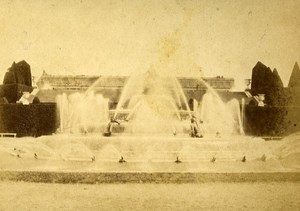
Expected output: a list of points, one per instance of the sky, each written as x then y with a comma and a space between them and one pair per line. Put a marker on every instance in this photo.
180, 37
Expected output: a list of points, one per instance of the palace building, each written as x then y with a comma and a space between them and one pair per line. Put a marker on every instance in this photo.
111, 86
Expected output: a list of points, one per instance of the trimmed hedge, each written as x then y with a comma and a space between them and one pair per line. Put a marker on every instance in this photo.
266, 121
28, 120
13, 92
19, 73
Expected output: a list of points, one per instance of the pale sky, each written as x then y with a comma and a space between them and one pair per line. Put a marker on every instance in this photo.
122, 37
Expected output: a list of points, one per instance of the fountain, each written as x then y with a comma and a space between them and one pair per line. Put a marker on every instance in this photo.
158, 99
81, 112
217, 116
155, 99
154, 138
157, 125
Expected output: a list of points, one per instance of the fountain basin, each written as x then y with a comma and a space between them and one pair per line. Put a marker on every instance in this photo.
95, 153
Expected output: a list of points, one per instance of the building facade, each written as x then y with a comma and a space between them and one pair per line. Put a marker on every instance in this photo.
111, 86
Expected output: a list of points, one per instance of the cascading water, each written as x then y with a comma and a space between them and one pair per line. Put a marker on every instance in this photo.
154, 102
218, 116
82, 112
243, 112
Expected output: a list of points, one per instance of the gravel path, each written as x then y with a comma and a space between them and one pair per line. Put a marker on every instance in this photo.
213, 196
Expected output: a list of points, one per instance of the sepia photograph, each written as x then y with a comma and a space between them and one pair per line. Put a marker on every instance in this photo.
149, 105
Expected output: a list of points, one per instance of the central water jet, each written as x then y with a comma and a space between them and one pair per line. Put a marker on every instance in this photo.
154, 101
